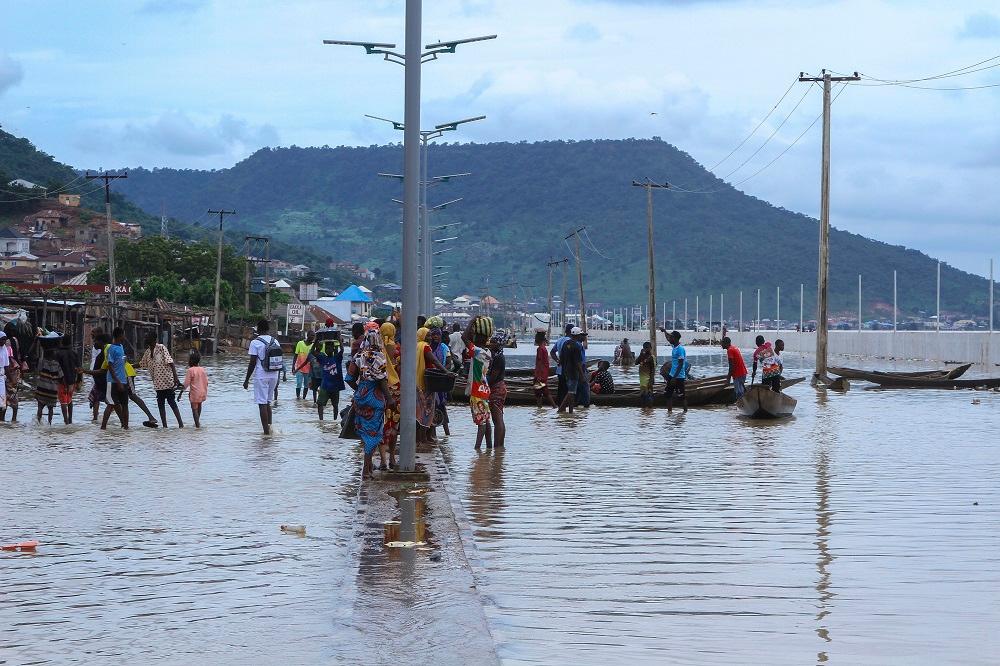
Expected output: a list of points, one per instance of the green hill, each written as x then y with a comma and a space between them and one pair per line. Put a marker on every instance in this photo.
522, 199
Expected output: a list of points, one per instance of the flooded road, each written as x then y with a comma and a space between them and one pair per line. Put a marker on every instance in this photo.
862, 531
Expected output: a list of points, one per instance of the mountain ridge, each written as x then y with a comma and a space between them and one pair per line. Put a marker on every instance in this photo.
523, 198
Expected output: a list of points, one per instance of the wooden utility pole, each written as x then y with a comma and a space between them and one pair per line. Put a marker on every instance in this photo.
107, 178
218, 278
579, 278
822, 287
651, 318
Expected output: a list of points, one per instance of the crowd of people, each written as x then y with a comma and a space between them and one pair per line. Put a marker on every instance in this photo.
59, 377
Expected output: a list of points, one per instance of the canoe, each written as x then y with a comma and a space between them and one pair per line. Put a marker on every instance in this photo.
760, 402
916, 382
700, 392
875, 375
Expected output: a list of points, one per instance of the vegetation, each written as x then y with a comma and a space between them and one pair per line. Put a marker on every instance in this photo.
182, 272
523, 198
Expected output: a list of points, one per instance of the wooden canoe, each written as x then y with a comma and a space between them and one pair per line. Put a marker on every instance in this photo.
700, 392
760, 402
876, 375
911, 382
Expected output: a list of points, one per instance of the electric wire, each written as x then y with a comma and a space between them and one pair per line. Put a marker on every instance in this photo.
48, 193
759, 125
590, 244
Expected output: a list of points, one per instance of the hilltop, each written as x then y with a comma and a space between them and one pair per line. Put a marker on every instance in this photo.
523, 198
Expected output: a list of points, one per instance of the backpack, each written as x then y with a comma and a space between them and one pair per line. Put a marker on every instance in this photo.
272, 360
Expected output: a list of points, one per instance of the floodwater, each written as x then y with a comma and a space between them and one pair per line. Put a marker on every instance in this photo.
864, 530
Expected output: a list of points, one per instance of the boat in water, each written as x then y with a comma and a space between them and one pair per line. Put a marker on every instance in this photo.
760, 402
877, 376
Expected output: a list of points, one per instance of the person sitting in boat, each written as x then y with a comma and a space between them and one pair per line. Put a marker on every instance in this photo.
601, 380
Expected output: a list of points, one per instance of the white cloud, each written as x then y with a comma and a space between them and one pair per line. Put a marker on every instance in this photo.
981, 25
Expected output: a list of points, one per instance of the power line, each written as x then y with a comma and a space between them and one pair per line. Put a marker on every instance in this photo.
961, 71
759, 125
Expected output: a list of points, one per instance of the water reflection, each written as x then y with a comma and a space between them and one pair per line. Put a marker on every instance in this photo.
486, 492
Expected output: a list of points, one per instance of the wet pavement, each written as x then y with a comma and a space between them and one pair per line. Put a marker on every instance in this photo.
864, 530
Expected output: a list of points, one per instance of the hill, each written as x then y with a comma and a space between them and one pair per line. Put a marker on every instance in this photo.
19, 158
523, 198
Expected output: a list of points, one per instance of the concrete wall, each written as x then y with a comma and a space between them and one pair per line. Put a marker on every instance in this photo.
961, 346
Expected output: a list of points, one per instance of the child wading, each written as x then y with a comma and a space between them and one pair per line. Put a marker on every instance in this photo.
196, 384
47, 384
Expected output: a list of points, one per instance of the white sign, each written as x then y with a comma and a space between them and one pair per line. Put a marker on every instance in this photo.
296, 313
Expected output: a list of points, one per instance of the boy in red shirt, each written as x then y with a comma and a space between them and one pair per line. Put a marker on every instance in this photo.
737, 368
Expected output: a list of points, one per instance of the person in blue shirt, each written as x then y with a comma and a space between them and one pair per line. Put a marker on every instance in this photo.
117, 380
555, 352
329, 357
678, 372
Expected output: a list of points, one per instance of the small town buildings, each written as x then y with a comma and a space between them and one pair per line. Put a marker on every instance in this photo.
11, 242
14, 260
349, 305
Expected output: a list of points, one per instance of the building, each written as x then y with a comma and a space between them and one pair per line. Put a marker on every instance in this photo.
71, 200
349, 305
14, 260
46, 220
21, 275
26, 184
12, 242
80, 261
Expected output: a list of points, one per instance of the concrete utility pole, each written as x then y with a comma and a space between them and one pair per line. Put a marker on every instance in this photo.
579, 278
649, 187
218, 278
107, 178
822, 288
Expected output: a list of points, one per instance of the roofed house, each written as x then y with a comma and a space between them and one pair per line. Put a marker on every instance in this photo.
46, 220
71, 200
12, 242
350, 304
13, 260
20, 275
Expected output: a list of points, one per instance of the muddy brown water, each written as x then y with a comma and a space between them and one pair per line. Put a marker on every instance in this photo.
863, 530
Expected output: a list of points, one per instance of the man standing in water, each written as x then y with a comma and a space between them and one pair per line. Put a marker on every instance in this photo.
300, 366
678, 372
114, 355
571, 362
265, 380
737, 368
555, 353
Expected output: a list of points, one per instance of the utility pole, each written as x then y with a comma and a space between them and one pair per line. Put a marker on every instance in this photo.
579, 278
651, 320
218, 277
741, 311
938, 325
822, 287
685, 327
991, 295
757, 326
246, 274
802, 296
895, 307
777, 322
164, 232
859, 302
551, 265
107, 178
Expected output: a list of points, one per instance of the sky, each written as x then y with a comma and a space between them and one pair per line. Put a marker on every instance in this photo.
204, 83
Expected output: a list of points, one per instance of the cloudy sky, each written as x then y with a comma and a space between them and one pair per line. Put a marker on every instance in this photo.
203, 83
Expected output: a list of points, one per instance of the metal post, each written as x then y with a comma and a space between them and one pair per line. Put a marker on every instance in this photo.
427, 258
757, 326
802, 297
722, 318
894, 306
859, 302
673, 321
411, 220
777, 322
697, 313
938, 297
991, 295
711, 307
741, 311
267, 280
685, 314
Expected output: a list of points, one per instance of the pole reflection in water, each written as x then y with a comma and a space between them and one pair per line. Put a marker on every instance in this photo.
824, 515
486, 497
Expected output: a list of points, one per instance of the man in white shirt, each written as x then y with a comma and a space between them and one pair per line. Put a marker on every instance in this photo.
265, 381
455, 344
4, 360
